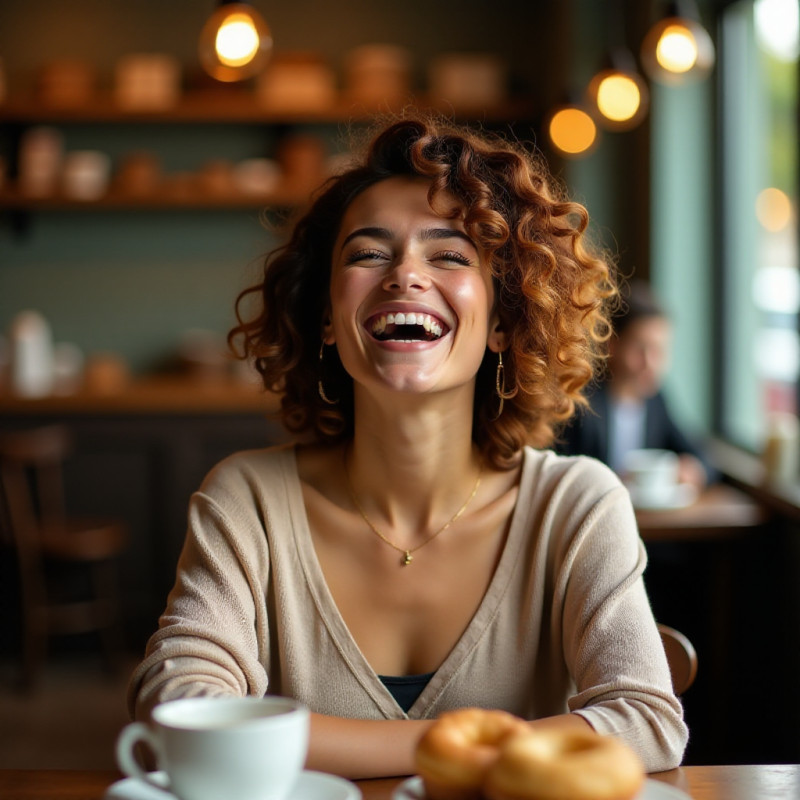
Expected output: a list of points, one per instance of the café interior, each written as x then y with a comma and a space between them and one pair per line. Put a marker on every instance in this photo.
143, 179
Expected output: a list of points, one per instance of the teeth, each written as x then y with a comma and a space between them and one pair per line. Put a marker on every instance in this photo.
429, 323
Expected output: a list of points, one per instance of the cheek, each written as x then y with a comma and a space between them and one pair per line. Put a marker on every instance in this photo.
347, 292
475, 295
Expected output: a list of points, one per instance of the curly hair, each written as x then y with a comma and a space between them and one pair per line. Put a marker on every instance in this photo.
552, 288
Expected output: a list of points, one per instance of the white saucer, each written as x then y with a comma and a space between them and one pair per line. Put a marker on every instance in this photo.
680, 496
310, 786
412, 789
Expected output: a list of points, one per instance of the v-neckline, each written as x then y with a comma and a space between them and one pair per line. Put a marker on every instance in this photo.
334, 621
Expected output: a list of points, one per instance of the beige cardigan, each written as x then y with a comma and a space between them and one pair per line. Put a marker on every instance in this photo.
565, 623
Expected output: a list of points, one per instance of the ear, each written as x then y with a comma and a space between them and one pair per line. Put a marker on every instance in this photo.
328, 336
497, 341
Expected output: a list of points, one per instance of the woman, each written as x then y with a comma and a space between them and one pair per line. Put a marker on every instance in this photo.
434, 315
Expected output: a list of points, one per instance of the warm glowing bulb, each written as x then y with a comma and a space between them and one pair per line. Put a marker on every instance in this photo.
237, 41
618, 97
676, 50
572, 131
773, 209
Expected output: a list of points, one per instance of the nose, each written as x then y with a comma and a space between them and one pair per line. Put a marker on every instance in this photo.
652, 359
407, 274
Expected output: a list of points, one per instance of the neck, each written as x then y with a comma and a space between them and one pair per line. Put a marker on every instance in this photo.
411, 468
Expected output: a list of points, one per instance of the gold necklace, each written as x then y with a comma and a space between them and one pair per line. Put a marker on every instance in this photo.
407, 557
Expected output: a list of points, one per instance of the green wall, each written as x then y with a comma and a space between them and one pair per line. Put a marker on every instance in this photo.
134, 281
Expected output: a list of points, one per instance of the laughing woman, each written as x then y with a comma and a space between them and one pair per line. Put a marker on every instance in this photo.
429, 325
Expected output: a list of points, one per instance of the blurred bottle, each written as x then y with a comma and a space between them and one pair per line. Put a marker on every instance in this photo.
31, 355
41, 157
780, 456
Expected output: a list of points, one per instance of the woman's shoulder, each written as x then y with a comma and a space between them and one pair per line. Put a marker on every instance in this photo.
243, 471
578, 496
578, 468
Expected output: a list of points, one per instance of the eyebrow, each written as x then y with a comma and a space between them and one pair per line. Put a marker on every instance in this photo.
427, 234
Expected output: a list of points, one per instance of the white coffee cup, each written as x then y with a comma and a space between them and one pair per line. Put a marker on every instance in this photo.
246, 748
651, 475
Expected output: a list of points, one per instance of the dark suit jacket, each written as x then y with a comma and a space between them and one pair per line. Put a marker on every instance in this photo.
588, 433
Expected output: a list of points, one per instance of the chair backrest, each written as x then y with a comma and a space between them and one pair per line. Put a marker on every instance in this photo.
681, 656
31, 478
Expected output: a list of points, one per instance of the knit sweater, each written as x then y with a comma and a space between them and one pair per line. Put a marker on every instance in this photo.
564, 625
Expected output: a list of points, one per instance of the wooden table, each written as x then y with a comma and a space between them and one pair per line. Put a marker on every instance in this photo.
721, 512
700, 783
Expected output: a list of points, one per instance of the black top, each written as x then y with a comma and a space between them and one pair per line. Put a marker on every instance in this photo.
406, 688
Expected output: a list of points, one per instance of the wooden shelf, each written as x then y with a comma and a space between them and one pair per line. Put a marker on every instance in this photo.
237, 106
224, 106
11, 200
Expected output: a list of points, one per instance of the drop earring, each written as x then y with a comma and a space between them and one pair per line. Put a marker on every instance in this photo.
500, 383
320, 387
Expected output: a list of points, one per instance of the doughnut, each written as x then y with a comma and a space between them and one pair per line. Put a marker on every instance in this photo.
564, 765
455, 753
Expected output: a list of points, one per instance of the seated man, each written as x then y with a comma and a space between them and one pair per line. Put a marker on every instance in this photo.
628, 410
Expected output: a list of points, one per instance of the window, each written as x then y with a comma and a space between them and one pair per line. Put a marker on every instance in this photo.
758, 203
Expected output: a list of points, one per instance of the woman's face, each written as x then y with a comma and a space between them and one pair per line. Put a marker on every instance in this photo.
411, 297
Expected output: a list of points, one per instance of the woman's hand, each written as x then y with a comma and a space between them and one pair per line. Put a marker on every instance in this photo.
691, 471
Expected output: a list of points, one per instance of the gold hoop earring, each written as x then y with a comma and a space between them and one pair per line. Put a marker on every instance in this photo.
500, 383
320, 387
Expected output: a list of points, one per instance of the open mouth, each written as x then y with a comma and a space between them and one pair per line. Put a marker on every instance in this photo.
409, 327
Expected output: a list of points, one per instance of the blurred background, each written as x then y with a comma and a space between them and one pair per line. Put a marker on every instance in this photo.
142, 180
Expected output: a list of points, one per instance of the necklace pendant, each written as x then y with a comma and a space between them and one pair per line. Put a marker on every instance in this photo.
407, 558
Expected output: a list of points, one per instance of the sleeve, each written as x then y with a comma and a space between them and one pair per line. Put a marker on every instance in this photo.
678, 441
610, 640
211, 638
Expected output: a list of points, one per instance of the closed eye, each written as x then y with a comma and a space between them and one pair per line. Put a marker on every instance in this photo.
453, 255
367, 254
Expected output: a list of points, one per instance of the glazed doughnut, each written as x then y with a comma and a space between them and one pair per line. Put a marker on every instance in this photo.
455, 753
565, 765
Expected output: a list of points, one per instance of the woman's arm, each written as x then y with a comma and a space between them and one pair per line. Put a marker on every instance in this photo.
356, 748
611, 643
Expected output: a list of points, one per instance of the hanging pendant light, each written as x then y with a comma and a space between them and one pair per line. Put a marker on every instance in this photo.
235, 42
619, 93
572, 131
678, 49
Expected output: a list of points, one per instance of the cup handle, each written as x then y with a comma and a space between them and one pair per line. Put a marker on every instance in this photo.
128, 738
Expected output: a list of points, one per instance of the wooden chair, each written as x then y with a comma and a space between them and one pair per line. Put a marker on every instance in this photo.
67, 569
681, 656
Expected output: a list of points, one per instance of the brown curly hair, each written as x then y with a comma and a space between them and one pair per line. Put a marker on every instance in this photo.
552, 290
